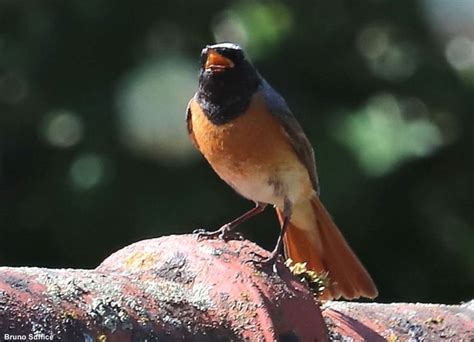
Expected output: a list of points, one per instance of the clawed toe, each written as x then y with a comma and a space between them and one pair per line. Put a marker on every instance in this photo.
199, 231
255, 258
262, 262
223, 233
204, 235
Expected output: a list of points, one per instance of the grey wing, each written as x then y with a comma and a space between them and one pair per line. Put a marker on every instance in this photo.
300, 142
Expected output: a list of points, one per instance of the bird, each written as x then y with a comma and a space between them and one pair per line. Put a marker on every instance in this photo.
249, 136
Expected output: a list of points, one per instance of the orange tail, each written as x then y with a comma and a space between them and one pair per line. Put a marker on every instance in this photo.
313, 237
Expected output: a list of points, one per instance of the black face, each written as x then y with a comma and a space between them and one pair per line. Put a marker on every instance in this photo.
226, 83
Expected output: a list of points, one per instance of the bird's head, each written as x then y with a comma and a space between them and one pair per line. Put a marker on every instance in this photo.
227, 80
226, 62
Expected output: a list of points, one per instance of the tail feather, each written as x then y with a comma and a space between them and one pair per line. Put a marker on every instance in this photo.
321, 245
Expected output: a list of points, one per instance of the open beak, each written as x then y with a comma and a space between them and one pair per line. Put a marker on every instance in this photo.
216, 62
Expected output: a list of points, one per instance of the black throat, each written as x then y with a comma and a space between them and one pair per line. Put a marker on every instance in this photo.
225, 95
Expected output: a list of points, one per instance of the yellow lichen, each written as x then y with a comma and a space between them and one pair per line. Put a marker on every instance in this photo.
70, 315
435, 320
317, 282
392, 337
102, 338
140, 260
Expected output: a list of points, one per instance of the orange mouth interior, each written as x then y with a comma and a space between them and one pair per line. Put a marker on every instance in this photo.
215, 61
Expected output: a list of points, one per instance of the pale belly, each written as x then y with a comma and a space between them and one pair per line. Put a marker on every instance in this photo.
269, 185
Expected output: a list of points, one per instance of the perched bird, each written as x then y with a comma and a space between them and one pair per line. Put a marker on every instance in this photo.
253, 142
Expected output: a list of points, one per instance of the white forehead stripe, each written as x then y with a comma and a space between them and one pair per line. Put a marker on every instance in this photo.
226, 46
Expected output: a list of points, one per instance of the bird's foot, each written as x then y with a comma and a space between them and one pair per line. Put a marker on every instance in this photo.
225, 233
265, 263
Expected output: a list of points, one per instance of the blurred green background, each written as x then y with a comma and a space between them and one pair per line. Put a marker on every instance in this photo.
94, 154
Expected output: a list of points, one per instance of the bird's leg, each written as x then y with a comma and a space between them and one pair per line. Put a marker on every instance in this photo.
272, 258
224, 231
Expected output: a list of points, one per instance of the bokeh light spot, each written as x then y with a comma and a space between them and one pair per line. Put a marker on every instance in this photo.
448, 18
62, 128
388, 58
460, 53
87, 171
387, 131
152, 103
229, 27
373, 42
453, 25
256, 26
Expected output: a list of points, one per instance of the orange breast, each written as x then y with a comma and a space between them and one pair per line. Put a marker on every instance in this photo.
252, 140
